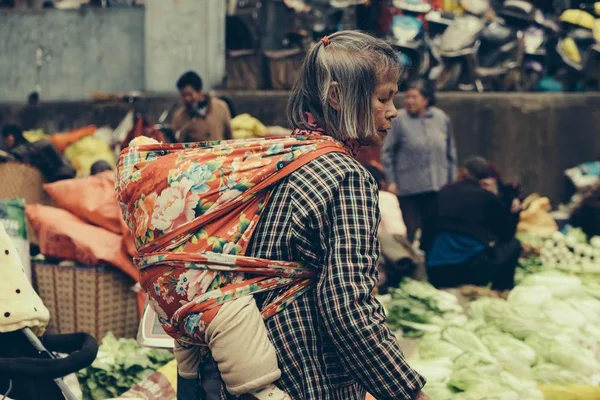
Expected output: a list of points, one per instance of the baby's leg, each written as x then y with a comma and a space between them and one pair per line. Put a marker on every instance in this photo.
238, 341
188, 363
188, 360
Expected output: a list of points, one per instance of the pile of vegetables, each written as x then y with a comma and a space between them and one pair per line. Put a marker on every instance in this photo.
546, 332
245, 126
120, 364
572, 252
416, 308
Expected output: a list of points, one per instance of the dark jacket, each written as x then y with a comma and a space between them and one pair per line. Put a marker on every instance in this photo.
465, 207
587, 215
44, 155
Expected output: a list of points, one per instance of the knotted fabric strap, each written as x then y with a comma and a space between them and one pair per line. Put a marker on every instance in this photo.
192, 209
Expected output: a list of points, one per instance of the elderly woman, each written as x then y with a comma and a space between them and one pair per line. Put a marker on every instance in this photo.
282, 230
331, 342
419, 154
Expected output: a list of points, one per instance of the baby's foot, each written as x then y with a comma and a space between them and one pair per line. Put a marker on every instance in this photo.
270, 392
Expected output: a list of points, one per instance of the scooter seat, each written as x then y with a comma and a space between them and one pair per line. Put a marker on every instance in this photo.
497, 34
582, 36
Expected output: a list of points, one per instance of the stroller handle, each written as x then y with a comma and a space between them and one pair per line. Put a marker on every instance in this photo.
81, 347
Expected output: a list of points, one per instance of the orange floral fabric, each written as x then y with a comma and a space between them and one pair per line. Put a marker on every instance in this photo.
192, 209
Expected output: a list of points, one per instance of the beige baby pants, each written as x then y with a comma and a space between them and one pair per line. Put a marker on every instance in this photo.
238, 341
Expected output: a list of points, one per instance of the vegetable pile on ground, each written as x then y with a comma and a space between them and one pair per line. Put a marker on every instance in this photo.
570, 252
416, 308
120, 364
547, 332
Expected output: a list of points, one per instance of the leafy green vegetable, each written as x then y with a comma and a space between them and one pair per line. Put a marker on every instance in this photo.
488, 309
514, 355
470, 369
120, 364
418, 308
489, 390
432, 347
564, 351
466, 341
530, 295
439, 391
554, 374
563, 313
547, 332
561, 285
436, 370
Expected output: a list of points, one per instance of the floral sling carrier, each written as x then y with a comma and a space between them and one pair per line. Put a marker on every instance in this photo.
192, 209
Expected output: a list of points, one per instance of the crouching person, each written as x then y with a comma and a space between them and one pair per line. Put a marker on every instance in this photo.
472, 236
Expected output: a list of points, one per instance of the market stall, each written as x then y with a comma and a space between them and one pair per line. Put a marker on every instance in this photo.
539, 341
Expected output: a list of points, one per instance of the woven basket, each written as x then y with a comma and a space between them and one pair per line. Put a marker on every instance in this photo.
23, 181
19, 180
244, 71
96, 300
284, 66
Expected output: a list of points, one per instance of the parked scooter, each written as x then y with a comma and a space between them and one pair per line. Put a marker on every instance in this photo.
579, 48
592, 64
437, 23
480, 54
409, 38
539, 38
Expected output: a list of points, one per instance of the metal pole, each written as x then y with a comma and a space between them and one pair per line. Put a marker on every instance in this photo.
39, 346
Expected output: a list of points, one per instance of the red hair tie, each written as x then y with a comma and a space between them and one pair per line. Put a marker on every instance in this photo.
325, 41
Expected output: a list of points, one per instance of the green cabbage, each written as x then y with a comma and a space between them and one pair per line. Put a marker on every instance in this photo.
120, 364
431, 348
563, 351
488, 309
488, 391
563, 313
466, 341
439, 391
436, 370
553, 374
529, 295
514, 355
588, 306
418, 308
561, 285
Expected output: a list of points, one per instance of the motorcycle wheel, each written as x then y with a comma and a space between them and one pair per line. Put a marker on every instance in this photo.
531, 80
449, 77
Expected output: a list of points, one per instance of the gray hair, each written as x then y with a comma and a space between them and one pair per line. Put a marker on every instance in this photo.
350, 66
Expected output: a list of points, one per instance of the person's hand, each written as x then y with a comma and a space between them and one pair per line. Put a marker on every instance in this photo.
489, 184
393, 188
421, 396
515, 207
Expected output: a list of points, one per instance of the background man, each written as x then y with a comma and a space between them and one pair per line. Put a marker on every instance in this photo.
203, 117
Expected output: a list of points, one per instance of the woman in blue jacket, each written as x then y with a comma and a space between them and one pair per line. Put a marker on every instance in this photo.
419, 154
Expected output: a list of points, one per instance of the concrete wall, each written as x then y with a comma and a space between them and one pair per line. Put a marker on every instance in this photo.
184, 35
72, 53
81, 51
532, 137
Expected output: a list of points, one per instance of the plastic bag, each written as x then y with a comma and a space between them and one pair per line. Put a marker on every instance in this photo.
62, 235
92, 199
12, 217
63, 140
535, 219
86, 152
